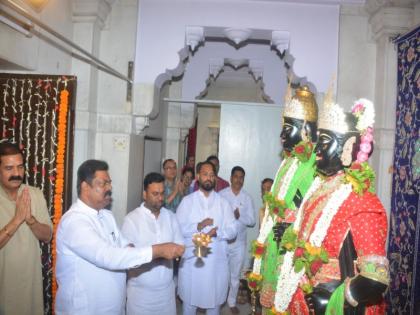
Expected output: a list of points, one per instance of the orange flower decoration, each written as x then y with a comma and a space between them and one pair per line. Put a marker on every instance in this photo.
59, 178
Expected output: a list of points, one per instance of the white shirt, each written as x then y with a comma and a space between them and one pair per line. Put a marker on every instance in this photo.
142, 228
242, 201
91, 262
205, 284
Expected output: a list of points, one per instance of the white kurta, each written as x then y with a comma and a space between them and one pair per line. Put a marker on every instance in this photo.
91, 262
205, 283
236, 249
242, 201
151, 288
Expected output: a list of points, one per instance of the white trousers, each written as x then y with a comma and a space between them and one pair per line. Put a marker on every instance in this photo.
151, 301
188, 309
236, 254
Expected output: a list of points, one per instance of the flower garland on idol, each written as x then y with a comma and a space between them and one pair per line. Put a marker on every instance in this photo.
303, 259
276, 208
306, 258
59, 182
365, 113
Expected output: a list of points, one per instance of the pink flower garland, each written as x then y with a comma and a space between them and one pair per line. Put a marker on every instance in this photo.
364, 112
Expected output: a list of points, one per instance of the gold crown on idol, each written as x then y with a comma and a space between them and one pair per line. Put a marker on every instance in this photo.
332, 116
302, 105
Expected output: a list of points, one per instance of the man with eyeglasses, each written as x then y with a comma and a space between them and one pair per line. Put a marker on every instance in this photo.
174, 189
92, 255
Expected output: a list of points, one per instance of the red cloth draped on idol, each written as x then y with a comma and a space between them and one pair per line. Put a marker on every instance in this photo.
334, 254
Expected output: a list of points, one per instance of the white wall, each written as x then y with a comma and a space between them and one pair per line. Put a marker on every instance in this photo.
313, 28
117, 48
34, 54
207, 117
356, 61
256, 148
273, 69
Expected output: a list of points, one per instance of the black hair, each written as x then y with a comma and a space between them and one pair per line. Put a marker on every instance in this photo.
166, 161
188, 169
212, 157
201, 164
237, 168
197, 167
86, 172
266, 180
7, 148
152, 178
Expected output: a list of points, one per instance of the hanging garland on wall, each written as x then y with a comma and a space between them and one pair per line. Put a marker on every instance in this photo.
37, 113
59, 181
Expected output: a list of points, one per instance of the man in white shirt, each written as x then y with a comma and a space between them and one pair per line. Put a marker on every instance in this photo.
92, 255
151, 288
204, 282
244, 212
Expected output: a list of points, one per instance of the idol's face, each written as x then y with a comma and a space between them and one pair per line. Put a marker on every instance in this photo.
291, 133
328, 152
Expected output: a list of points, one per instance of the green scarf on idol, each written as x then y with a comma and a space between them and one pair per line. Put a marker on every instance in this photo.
302, 180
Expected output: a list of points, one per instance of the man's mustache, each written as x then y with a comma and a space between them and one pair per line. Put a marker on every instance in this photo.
15, 178
108, 193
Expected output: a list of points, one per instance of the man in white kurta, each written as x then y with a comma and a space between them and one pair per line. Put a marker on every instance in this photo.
150, 287
244, 212
203, 282
92, 255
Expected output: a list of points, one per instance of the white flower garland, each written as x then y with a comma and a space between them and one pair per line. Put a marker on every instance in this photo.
367, 119
287, 179
265, 230
268, 222
287, 283
288, 279
330, 210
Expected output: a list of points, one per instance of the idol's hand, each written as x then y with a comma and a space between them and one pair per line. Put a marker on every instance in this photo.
317, 301
278, 230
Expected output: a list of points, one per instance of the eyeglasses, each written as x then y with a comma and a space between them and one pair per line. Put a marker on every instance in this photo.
169, 168
103, 183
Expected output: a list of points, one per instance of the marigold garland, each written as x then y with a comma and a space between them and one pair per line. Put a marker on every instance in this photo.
59, 182
306, 256
361, 176
276, 207
273, 311
303, 150
254, 281
257, 249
